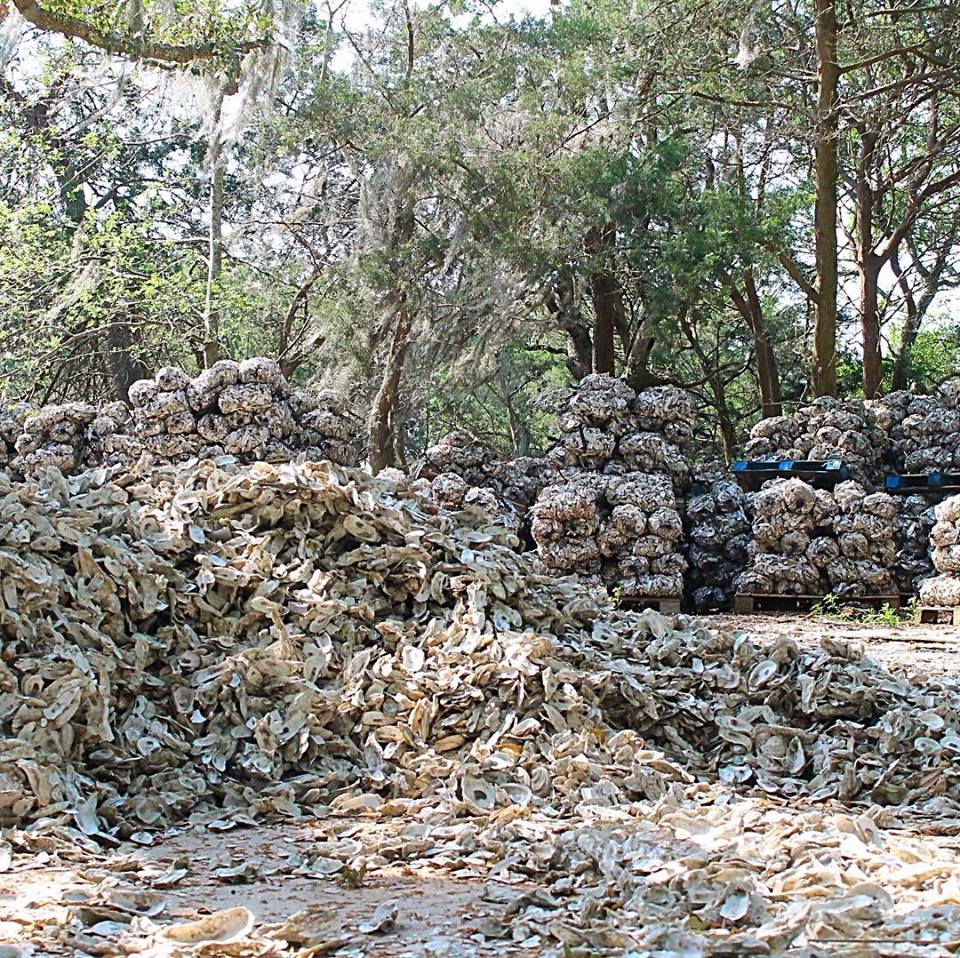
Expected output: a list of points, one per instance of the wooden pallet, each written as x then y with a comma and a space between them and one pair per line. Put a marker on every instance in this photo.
665, 606
747, 602
939, 615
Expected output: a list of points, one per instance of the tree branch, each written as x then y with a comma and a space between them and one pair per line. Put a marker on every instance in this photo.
134, 48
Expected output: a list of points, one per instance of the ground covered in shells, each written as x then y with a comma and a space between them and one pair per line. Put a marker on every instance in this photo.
220, 648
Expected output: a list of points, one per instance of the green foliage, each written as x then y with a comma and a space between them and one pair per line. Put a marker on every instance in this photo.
847, 610
486, 176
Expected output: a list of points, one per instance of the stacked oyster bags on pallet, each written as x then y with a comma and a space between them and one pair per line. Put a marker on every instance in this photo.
624, 528
453, 492
55, 436
810, 541
326, 427
109, 436
518, 481
943, 589
459, 454
242, 409
718, 536
458, 472
828, 428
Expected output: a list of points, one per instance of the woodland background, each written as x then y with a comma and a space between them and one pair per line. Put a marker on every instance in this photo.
454, 212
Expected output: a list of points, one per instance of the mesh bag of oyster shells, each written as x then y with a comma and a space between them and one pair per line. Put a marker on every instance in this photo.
607, 427
623, 528
718, 535
810, 541
244, 409
829, 428
925, 430
944, 588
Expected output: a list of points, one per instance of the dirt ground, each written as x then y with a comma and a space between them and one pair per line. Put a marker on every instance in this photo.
925, 649
440, 910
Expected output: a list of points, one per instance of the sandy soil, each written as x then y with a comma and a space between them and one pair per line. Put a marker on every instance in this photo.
925, 649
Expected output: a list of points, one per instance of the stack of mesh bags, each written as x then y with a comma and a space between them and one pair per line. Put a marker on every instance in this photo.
73, 436
12, 419
454, 493
914, 523
608, 427
944, 588
245, 409
325, 427
924, 430
110, 439
625, 529
516, 481
718, 534
828, 428
457, 453
459, 472
810, 541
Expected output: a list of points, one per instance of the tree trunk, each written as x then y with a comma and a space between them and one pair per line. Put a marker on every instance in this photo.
520, 437
125, 368
211, 315
911, 328
562, 306
607, 298
380, 450
825, 204
637, 372
916, 308
768, 371
868, 266
870, 326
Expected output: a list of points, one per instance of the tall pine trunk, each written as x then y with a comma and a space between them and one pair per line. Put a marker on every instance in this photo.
869, 268
825, 204
869, 265
606, 296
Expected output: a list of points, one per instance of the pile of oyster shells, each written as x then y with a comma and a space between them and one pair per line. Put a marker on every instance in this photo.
718, 536
229, 643
810, 541
624, 528
943, 589
218, 636
244, 409
828, 428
